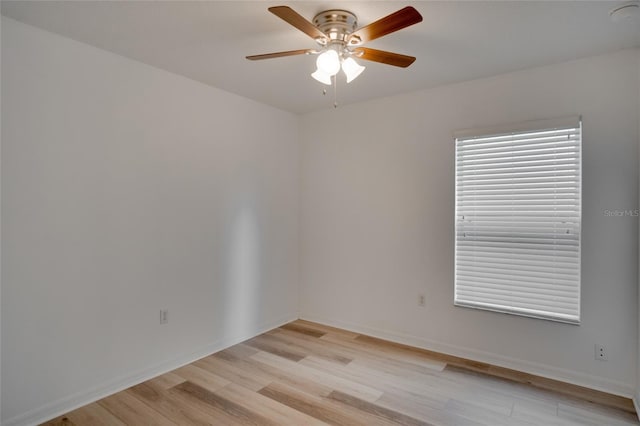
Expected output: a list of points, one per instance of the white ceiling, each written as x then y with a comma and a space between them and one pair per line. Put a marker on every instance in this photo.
457, 41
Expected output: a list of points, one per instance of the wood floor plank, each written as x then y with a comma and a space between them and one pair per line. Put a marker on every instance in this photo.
273, 410
93, 414
325, 329
321, 408
302, 328
307, 404
239, 351
287, 377
266, 344
540, 413
423, 396
382, 381
310, 374
233, 373
240, 412
166, 381
59, 421
372, 359
496, 371
189, 402
268, 374
402, 352
500, 389
305, 348
581, 392
90, 415
201, 376
418, 407
377, 410
589, 413
483, 415
314, 344
132, 411
389, 355
327, 379
162, 402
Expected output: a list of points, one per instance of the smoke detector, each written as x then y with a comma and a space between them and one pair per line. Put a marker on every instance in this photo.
625, 11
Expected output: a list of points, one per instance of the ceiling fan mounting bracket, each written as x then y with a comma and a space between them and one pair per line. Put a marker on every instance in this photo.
336, 24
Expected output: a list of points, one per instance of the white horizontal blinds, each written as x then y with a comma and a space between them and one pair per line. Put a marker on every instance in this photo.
518, 222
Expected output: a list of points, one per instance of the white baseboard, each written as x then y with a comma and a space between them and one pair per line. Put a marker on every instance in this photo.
636, 403
64, 405
550, 372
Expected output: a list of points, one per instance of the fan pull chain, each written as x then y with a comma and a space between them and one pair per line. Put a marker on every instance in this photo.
334, 83
335, 91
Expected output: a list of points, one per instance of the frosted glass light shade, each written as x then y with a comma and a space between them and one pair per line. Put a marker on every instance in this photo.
351, 69
329, 62
322, 77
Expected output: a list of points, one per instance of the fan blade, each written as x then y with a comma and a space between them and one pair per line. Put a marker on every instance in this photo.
294, 18
280, 54
396, 21
384, 57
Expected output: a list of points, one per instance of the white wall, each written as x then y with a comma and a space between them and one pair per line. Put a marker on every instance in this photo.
378, 209
127, 189
0, 228
637, 395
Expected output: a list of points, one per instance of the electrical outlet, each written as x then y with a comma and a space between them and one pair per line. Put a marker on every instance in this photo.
600, 352
164, 316
422, 300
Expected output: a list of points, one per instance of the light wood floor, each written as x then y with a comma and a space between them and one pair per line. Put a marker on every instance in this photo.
307, 374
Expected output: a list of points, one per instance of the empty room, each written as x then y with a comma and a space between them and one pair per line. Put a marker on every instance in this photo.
319, 213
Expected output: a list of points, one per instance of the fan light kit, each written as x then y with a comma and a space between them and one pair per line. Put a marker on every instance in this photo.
340, 43
337, 25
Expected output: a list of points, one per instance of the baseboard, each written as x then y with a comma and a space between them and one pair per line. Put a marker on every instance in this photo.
64, 405
636, 403
554, 373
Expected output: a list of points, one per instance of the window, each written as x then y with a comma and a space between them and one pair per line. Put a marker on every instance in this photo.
518, 213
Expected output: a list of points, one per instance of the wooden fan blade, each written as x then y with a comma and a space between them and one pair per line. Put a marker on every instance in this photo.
279, 54
384, 57
396, 21
294, 18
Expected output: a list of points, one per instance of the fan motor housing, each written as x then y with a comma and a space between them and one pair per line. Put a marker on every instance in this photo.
336, 24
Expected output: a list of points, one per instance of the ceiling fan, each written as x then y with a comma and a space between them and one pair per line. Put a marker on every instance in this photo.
340, 42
